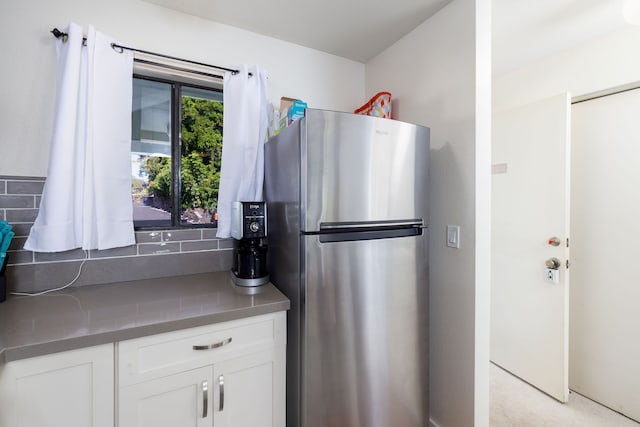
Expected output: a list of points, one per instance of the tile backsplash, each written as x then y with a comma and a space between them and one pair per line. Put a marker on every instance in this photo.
157, 253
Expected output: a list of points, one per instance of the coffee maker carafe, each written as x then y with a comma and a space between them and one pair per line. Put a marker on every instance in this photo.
249, 228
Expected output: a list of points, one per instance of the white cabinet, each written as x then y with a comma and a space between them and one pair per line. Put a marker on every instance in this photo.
68, 389
226, 374
175, 400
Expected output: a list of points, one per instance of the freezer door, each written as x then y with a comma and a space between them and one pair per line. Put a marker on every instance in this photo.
359, 168
365, 356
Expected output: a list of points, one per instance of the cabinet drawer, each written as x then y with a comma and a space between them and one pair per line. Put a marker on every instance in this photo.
142, 359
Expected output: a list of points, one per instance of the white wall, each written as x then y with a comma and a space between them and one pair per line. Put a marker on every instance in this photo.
28, 61
600, 64
439, 76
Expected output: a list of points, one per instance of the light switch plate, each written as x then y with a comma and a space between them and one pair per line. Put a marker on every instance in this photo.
453, 236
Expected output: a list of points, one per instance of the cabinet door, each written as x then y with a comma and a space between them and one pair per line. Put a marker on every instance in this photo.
249, 392
183, 400
68, 389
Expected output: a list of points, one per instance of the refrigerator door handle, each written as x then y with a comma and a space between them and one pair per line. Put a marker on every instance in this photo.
339, 226
369, 234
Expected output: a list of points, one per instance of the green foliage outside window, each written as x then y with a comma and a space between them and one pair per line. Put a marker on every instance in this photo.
201, 153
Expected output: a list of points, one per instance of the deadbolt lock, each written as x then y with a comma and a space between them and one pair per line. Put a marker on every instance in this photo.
553, 263
554, 241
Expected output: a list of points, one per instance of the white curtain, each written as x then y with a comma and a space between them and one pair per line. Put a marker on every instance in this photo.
246, 119
87, 196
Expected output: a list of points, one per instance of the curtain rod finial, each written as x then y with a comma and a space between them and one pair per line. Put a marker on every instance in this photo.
57, 34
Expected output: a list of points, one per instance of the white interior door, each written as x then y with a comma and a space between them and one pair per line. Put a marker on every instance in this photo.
530, 205
605, 320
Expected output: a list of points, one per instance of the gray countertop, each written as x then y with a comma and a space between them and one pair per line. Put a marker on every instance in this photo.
91, 315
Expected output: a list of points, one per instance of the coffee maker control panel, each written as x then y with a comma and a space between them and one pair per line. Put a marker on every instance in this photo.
248, 220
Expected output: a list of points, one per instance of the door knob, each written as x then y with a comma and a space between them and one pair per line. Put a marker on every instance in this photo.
553, 263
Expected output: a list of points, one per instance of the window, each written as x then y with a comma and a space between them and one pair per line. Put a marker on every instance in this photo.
176, 149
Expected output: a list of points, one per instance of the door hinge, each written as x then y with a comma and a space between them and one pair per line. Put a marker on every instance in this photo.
567, 242
568, 264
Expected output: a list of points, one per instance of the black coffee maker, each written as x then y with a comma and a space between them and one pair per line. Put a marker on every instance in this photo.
249, 228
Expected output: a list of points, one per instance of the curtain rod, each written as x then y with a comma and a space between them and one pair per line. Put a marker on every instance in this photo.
119, 48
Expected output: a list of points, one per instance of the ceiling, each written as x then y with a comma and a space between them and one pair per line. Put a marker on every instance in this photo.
354, 29
523, 30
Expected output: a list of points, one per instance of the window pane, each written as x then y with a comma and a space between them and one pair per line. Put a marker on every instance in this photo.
201, 152
151, 153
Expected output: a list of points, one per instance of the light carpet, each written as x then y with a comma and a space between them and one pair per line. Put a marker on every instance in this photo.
514, 403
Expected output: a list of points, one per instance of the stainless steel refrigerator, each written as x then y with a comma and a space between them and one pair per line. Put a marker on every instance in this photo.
348, 203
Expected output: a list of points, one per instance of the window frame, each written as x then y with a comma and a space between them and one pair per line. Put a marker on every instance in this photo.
176, 156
